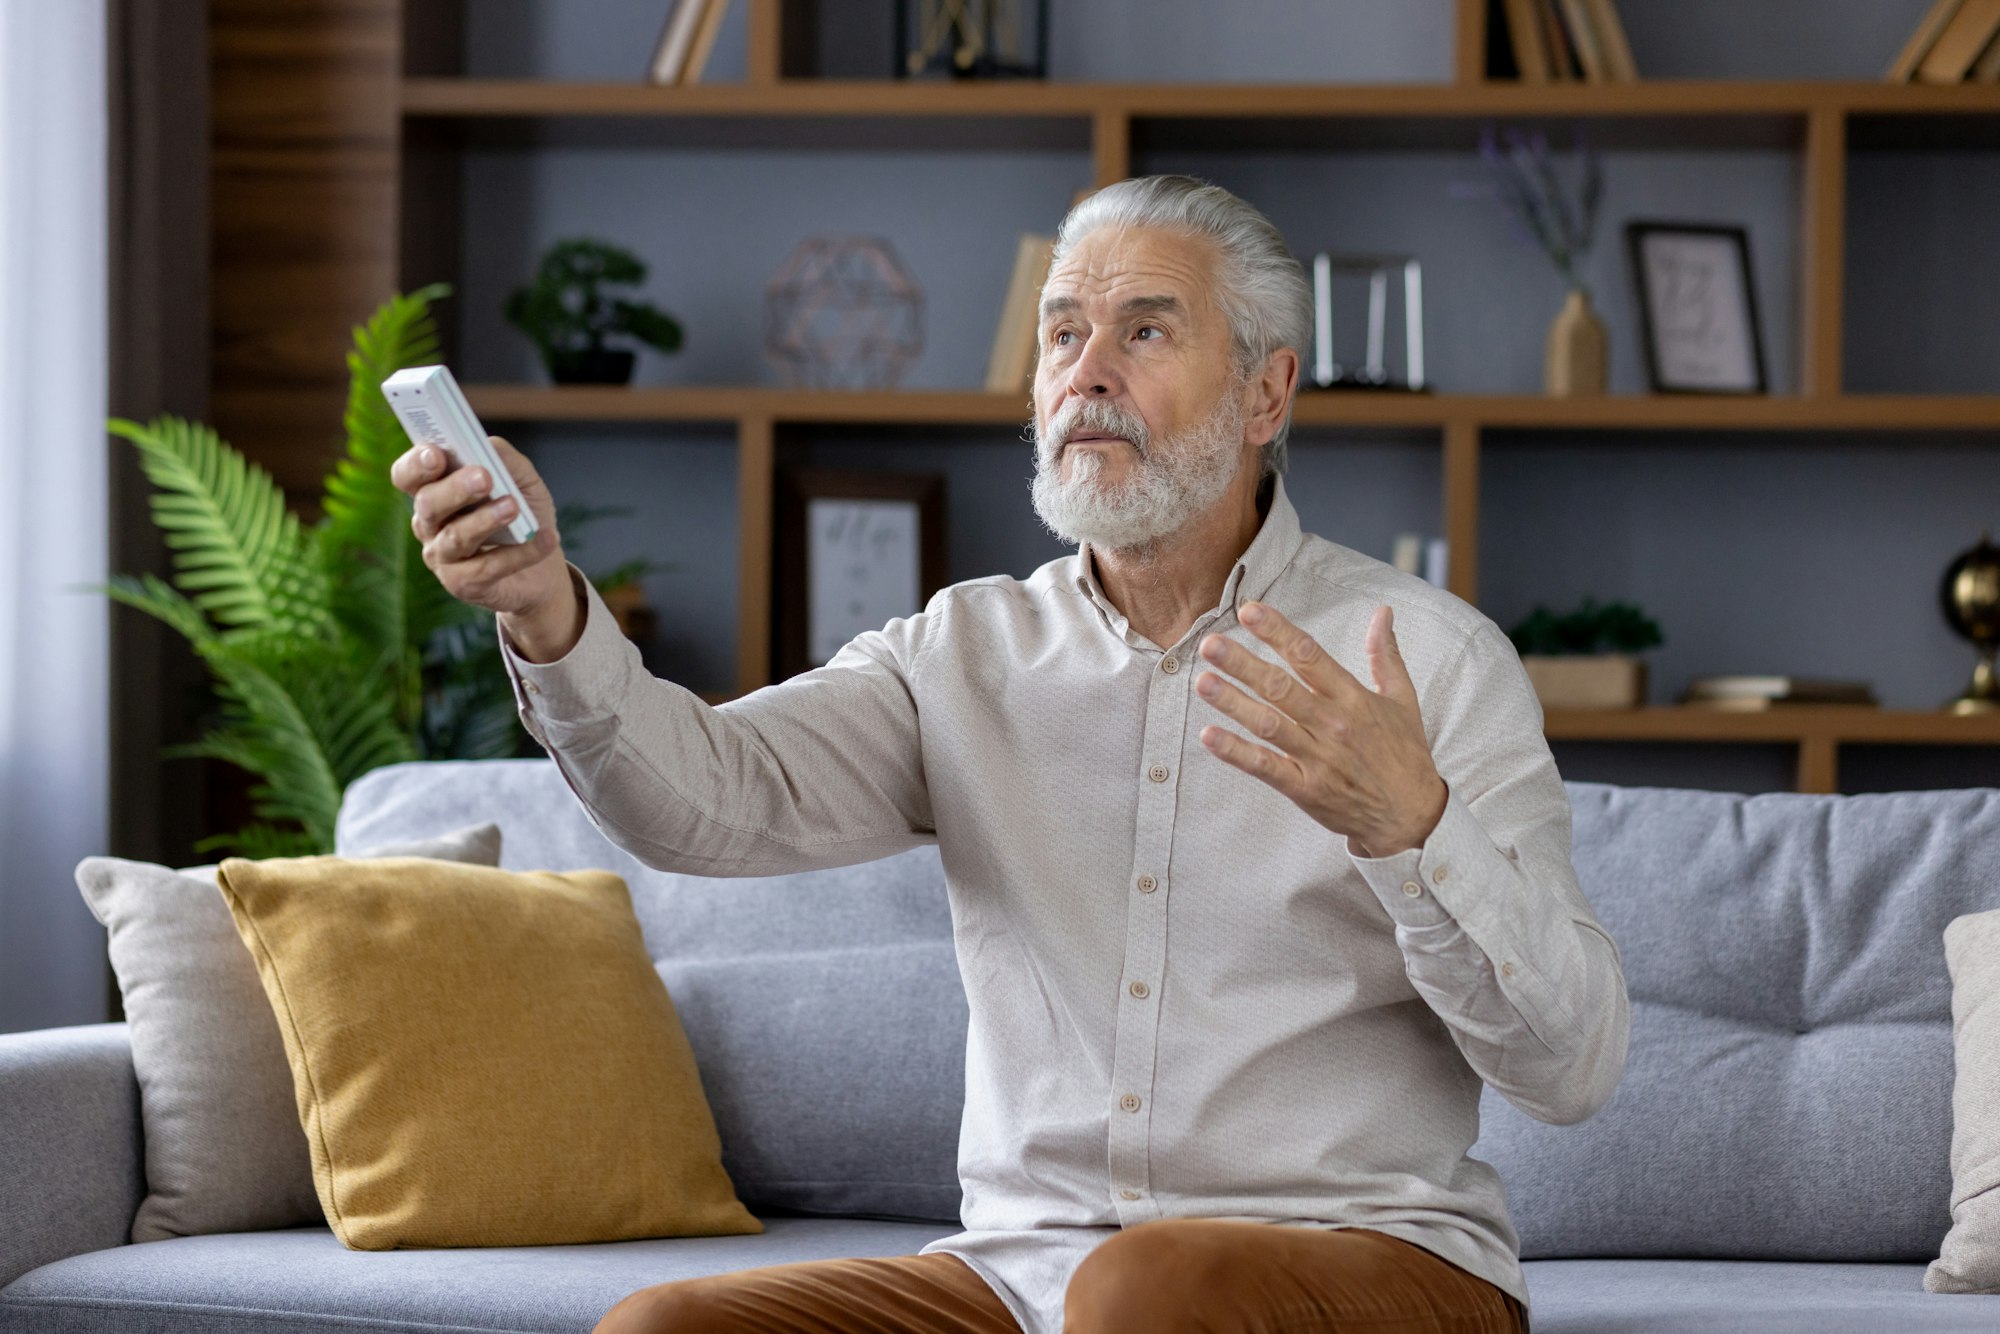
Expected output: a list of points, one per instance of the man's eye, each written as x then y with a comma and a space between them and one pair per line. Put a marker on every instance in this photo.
1149, 328
1060, 335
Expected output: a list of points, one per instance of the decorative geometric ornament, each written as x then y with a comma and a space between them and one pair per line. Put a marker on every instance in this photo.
843, 313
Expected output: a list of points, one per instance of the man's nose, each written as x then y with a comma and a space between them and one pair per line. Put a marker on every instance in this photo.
1094, 375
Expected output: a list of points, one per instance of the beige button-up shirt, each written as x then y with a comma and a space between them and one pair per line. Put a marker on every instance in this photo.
1188, 998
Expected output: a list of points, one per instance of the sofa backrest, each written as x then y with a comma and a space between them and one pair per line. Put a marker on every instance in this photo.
1787, 1091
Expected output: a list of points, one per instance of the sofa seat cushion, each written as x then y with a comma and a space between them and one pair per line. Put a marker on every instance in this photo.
1744, 1297
304, 1279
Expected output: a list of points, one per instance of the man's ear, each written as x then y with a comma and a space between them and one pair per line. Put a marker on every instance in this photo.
1269, 393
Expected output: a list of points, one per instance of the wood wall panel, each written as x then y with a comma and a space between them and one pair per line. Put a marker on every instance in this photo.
305, 115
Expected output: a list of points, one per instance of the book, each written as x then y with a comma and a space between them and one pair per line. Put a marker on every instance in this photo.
1583, 35
1611, 36
670, 53
1524, 33
1012, 363
1952, 56
1562, 62
1748, 690
1904, 67
704, 39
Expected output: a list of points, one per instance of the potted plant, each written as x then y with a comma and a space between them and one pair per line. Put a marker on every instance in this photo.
567, 315
1521, 171
1583, 660
334, 649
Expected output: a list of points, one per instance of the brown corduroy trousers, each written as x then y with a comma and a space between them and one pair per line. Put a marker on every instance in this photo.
1198, 1275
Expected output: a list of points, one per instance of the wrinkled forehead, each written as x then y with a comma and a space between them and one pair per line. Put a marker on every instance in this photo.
1118, 269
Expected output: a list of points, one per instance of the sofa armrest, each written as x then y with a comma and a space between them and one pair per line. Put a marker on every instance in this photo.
72, 1147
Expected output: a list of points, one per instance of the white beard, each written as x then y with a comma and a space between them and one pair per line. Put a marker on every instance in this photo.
1171, 484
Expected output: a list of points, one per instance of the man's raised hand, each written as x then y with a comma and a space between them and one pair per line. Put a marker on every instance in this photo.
1354, 759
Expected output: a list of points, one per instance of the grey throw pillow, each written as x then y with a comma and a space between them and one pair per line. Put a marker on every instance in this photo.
224, 1148
1969, 1260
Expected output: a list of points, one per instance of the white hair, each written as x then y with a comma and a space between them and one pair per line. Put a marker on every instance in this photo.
1260, 285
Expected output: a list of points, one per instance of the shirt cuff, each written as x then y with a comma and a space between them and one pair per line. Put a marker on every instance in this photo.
584, 686
1418, 886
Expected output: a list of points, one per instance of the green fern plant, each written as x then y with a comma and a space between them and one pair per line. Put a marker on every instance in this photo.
334, 649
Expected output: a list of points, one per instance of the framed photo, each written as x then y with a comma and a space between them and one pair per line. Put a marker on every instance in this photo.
855, 550
1697, 308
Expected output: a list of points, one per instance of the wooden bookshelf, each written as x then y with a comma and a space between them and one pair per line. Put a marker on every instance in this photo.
1117, 124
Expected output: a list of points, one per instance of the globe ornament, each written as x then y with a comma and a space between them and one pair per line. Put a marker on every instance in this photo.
1972, 605
843, 313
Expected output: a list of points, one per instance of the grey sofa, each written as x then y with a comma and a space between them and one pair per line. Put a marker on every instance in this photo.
1776, 1157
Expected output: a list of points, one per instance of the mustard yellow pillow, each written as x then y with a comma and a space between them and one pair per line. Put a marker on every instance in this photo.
481, 1057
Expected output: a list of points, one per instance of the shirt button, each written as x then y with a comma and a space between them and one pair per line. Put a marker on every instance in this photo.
1412, 888
1128, 1194
1130, 1102
1147, 884
1506, 970
534, 689
1437, 876
1139, 990
1158, 773
1170, 664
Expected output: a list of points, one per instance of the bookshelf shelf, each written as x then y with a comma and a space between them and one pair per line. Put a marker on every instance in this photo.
1828, 723
1691, 99
946, 407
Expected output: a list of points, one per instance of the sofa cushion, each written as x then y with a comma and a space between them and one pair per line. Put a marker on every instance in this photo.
858, 1040
482, 1057
825, 1010
1969, 1260
1787, 1092
224, 1149
302, 1279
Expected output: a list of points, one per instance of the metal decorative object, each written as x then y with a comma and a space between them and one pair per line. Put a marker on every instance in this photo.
843, 313
972, 39
1971, 597
1327, 370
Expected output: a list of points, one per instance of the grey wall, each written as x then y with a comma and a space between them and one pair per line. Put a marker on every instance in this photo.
1803, 553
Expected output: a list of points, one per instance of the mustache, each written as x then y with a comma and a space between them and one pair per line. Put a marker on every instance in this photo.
1093, 415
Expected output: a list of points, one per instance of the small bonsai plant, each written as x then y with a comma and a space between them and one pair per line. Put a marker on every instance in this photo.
567, 315
1614, 627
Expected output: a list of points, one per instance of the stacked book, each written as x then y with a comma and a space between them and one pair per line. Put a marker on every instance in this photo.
1563, 41
1956, 41
1747, 694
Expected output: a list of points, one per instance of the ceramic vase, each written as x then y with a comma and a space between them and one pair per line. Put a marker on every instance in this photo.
1577, 349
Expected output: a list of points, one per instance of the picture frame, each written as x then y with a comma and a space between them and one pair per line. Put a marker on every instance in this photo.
1697, 307
854, 550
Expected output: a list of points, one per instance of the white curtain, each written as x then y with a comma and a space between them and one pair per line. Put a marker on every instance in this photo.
54, 640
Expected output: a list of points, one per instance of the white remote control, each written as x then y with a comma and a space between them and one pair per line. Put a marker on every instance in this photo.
433, 410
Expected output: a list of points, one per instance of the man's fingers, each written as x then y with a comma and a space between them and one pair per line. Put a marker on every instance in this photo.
1258, 718
461, 539
1279, 771
1385, 657
1315, 666
1267, 678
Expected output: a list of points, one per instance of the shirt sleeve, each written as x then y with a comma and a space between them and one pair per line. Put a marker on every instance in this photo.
1495, 931
822, 770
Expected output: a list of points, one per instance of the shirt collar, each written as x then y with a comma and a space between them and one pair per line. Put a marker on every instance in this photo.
1269, 552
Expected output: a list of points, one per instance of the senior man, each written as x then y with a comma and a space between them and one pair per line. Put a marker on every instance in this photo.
1258, 860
